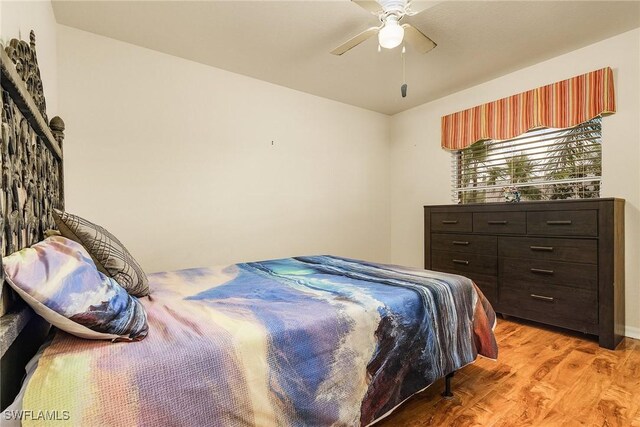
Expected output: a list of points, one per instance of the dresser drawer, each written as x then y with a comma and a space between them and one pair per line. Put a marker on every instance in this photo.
566, 250
500, 222
563, 223
468, 243
517, 272
463, 263
451, 221
571, 308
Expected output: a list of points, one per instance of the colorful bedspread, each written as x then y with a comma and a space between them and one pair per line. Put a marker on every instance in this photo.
307, 341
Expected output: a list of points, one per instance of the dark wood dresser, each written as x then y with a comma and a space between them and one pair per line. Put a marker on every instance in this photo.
557, 262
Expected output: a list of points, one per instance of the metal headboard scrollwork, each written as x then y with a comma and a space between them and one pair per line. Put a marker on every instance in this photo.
31, 184
31, 174
23, 55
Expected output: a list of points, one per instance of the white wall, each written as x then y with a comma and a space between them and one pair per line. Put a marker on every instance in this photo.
17, 19
176, 158
420, 169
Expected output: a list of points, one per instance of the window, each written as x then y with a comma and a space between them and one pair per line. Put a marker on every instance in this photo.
544, 164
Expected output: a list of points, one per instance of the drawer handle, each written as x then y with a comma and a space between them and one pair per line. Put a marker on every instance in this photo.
503, 222
542, 248
460, 261
542, 297
567, 222
444, 221
541, 271
461, 243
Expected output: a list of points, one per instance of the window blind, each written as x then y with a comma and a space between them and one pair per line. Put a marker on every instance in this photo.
544, 164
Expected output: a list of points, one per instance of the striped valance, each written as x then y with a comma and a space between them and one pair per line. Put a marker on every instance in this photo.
559, 105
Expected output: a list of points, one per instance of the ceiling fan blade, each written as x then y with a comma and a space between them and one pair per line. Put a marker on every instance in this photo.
355, 41
418, 40
416, 6
369, 5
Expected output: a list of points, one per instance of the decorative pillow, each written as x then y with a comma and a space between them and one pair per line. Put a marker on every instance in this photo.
57, 278
109, 255
49, 233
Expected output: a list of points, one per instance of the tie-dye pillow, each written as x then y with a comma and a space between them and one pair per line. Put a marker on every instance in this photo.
58, 279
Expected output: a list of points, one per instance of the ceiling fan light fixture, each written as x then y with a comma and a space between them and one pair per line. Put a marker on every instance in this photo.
391, 34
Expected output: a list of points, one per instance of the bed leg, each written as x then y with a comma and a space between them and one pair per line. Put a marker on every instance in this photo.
448, 394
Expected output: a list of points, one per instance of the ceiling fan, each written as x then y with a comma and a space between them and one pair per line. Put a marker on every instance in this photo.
391, 33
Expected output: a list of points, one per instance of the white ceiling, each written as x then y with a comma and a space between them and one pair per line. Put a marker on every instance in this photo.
288, 42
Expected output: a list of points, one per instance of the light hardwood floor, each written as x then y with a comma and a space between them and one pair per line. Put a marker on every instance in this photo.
543, 377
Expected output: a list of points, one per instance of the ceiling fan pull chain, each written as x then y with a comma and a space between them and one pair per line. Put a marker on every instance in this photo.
404, 68
403, 88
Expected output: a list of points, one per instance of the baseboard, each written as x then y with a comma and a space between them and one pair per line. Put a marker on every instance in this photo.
632, 332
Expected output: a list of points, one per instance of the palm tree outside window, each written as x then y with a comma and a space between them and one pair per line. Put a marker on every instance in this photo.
544, 164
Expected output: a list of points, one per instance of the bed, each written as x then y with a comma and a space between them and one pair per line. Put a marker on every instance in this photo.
309, 340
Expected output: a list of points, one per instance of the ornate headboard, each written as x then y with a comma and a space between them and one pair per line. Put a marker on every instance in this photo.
31, 184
